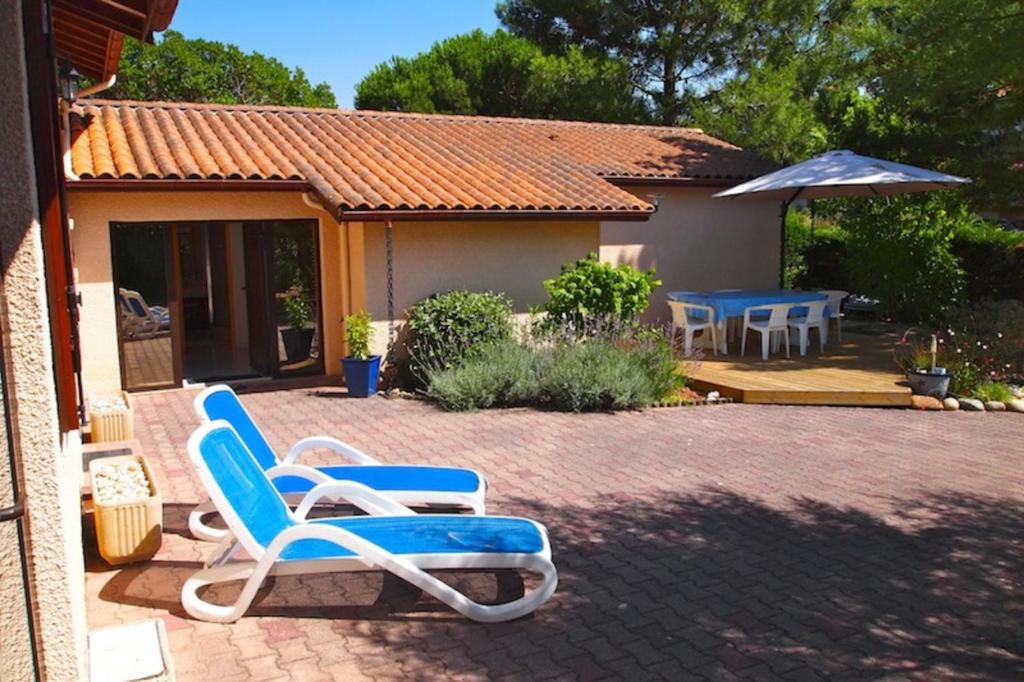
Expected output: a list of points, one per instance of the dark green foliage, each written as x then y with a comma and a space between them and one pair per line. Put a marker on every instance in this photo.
889, 237
501, 75
179, 69
590, 289
443, 327
993, 260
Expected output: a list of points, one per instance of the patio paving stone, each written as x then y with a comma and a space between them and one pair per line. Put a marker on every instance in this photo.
727, 542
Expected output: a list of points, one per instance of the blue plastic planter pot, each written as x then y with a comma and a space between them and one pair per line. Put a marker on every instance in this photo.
361, 375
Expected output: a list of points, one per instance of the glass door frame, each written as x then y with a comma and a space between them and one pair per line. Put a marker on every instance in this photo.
172, 284
266, 242
172, 272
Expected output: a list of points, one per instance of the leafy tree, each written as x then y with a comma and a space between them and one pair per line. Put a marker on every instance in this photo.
673, 48
179, 69
501, 75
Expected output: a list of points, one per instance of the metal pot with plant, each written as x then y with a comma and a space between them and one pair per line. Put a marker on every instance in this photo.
921, 364
362, 370
298, 337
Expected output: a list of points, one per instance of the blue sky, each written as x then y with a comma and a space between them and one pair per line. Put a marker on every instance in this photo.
338, 41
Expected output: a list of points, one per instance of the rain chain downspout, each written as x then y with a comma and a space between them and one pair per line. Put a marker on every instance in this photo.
391, 371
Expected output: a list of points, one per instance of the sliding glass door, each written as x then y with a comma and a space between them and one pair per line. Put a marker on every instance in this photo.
145, 297
283, 297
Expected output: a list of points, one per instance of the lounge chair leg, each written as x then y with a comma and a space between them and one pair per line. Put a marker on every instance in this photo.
201, 530
785, 337
743, 342
765, 342
803, 340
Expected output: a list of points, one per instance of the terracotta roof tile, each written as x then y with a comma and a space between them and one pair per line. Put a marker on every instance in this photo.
379, 161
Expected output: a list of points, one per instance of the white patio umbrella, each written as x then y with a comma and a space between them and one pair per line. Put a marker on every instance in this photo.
839, 174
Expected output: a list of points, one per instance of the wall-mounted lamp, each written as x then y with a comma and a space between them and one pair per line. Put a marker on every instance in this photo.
655, 199
70, 80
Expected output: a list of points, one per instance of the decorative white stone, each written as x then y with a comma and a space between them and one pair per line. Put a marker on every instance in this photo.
1016, 405
995, 406
714, 396
122, 482
951, 404
971, 405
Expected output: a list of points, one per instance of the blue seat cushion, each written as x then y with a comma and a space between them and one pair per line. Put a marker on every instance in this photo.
426, 534
391, 478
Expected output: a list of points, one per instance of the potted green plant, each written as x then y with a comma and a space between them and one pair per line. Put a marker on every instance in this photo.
920, 363
298, 337
362, 370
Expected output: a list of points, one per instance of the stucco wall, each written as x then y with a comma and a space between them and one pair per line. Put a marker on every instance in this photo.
696, 242
52, 472
93, 211
513, 257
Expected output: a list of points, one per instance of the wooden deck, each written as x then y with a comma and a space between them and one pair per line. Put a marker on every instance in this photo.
859, 371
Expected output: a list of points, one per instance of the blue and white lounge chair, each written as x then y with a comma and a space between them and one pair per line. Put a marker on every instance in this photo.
394, 538
408, 484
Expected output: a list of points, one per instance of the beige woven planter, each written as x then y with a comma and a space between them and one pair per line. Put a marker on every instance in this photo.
107, 426
130, 530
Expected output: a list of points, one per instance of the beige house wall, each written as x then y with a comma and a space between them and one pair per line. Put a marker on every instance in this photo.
93, 212
695, 242
52, 477
510, 256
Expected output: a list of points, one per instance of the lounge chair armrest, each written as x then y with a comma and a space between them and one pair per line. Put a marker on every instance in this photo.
357, 494
328, 443
300, 471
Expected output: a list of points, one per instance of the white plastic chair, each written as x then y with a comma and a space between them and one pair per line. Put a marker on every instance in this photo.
835, 304
138, 318
691, 324
776, 323
815, 318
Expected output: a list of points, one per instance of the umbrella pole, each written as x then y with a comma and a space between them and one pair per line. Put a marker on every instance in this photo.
782, 242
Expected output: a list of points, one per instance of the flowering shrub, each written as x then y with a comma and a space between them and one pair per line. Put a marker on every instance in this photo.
984, 342
979, 343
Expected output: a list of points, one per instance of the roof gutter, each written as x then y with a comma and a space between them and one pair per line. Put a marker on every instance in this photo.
424, 215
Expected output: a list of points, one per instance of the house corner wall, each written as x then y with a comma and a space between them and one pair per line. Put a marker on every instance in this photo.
52, 476
699, 243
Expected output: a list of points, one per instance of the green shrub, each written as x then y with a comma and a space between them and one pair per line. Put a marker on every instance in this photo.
604, 373
901, 248
992, 259
359, 334
296, 307
563, 370
495, 374
588, 288
443, 327
994, 390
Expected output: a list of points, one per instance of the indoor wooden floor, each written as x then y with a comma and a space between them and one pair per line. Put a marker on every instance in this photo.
858, 371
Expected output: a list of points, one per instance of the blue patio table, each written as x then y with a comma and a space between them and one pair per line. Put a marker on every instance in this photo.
728, 304
732, 303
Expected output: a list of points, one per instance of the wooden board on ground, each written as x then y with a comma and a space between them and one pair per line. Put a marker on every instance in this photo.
858, 371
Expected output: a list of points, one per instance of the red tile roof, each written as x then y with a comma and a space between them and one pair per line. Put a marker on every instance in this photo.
377, 161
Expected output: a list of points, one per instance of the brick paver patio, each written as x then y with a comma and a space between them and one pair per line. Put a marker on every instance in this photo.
720, 542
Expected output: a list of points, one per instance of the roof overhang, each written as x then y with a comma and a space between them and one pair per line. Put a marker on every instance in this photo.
90, 33
368, 215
